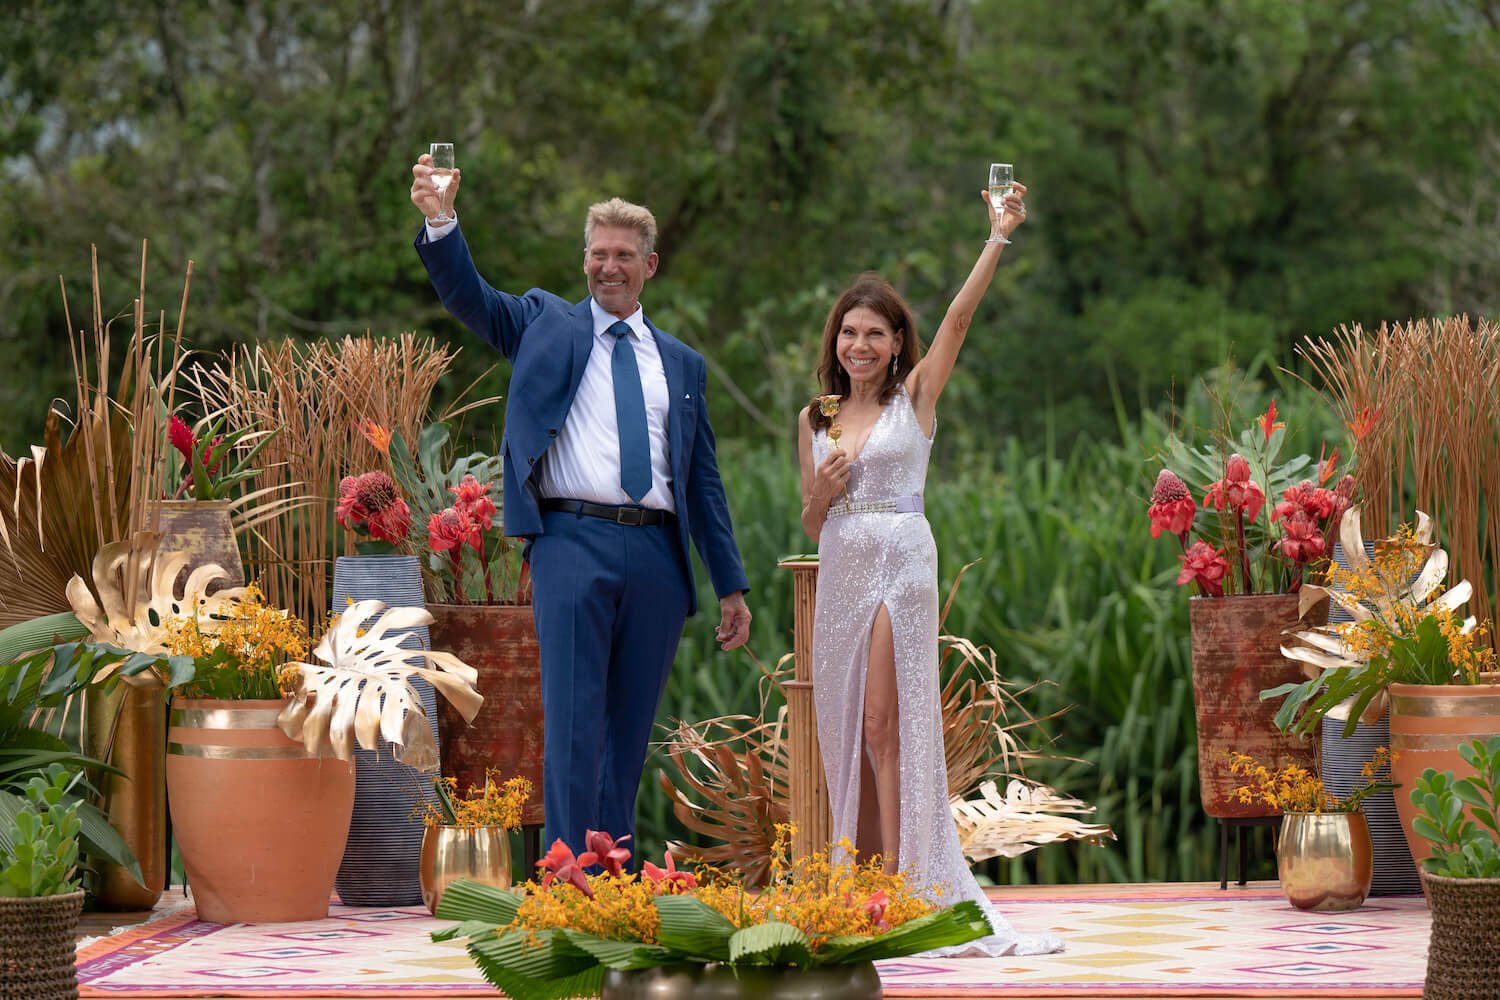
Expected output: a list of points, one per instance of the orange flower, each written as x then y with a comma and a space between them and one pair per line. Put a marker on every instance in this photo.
1364, 422
377, 435
1268, 422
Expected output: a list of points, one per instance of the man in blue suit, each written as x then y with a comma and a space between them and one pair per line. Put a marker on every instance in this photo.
609, 471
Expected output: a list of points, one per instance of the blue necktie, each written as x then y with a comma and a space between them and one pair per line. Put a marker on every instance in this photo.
630, 416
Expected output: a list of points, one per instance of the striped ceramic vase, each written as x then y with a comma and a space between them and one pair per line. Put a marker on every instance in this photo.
1341, 761
382, 859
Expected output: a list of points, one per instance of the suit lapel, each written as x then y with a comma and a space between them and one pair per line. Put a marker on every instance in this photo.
582, 333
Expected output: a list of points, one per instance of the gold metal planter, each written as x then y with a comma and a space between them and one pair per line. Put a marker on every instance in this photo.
720, 982
453, 853
1325, 860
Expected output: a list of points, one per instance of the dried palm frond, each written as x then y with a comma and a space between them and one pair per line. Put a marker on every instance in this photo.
99, 482
1026, 817
733, 771
362, 689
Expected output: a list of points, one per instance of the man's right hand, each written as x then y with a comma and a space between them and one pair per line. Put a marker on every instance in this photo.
424, 194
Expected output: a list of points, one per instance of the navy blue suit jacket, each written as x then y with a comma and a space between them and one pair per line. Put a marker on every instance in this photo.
548, 341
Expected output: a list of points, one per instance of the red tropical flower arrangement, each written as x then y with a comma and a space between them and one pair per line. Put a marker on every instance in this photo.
1237, 550
465, 525
370, 506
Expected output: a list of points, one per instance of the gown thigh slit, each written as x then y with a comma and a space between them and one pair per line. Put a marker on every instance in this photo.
866, 560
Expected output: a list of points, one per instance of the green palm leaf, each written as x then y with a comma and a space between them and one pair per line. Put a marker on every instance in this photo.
772, 943
958, 924
693, 929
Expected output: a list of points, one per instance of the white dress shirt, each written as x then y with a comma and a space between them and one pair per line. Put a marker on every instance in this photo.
584, 462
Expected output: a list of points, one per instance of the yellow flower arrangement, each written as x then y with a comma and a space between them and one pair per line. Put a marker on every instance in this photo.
1405, 629
816, 911
245, 652
1295, 789
494, 803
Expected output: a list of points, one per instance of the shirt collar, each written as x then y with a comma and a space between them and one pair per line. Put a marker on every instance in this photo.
603, 320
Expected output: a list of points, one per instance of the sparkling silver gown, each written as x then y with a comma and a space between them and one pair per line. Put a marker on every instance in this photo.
865, 560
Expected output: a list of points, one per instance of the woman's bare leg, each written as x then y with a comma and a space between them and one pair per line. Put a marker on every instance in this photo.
883, 734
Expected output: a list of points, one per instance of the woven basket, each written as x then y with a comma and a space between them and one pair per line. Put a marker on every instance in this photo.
1464, 952
37, 947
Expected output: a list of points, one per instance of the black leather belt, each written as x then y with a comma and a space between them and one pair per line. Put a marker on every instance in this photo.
625, 514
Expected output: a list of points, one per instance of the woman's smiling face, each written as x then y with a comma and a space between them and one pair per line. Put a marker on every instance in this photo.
866, 346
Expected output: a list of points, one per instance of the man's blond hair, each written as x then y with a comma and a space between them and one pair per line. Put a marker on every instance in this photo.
619, 213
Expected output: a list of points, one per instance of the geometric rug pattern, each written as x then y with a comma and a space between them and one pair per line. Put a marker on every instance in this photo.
1149, 940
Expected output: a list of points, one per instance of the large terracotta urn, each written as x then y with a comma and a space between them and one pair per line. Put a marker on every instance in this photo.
261, 823
499, 641
1236, 643
1429, 722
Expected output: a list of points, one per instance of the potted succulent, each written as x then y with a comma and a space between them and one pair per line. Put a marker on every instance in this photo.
1456, 817
1324, 857
40, 895
468, 836
815, 930
1261, 532
1406, 645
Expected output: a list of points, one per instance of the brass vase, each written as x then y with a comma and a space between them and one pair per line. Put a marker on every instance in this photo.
463, 853
128, 728
1325, 860
764, 982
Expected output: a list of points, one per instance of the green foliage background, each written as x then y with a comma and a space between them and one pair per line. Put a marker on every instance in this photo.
1208, 177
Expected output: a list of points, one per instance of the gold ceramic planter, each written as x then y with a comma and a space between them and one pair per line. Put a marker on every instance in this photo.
456, 853
720, 982
1325, 860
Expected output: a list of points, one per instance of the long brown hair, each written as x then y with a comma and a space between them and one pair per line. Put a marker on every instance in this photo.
876, 294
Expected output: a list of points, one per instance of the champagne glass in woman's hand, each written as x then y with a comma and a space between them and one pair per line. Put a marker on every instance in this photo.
1002, 183
442, 176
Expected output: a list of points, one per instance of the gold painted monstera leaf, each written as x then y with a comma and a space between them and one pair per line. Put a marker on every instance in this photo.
122, 569
361, 690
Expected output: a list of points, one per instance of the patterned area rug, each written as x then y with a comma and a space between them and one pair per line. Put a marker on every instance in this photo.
1150, 940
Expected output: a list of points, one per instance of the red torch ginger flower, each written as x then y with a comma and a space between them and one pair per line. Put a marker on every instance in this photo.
1172, 506
1204, 565
446, 530
1303, 542
1236, 490
370, 502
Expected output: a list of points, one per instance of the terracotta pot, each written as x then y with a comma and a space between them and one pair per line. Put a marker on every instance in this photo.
1429, 722
721, 982
1324, 860
499, 641
1236, 644
471, 853
260, 824
204, 530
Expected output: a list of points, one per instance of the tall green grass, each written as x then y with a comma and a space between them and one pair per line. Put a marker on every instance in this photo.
1071, 589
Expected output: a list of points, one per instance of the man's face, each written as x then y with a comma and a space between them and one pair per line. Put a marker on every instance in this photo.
616, 269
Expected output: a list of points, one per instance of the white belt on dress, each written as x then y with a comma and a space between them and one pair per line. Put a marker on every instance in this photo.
895, 505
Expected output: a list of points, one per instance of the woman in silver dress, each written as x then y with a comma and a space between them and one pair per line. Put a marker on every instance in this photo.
875, 642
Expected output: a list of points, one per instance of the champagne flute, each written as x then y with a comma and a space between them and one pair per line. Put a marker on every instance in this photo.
1002, 183
442, 176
